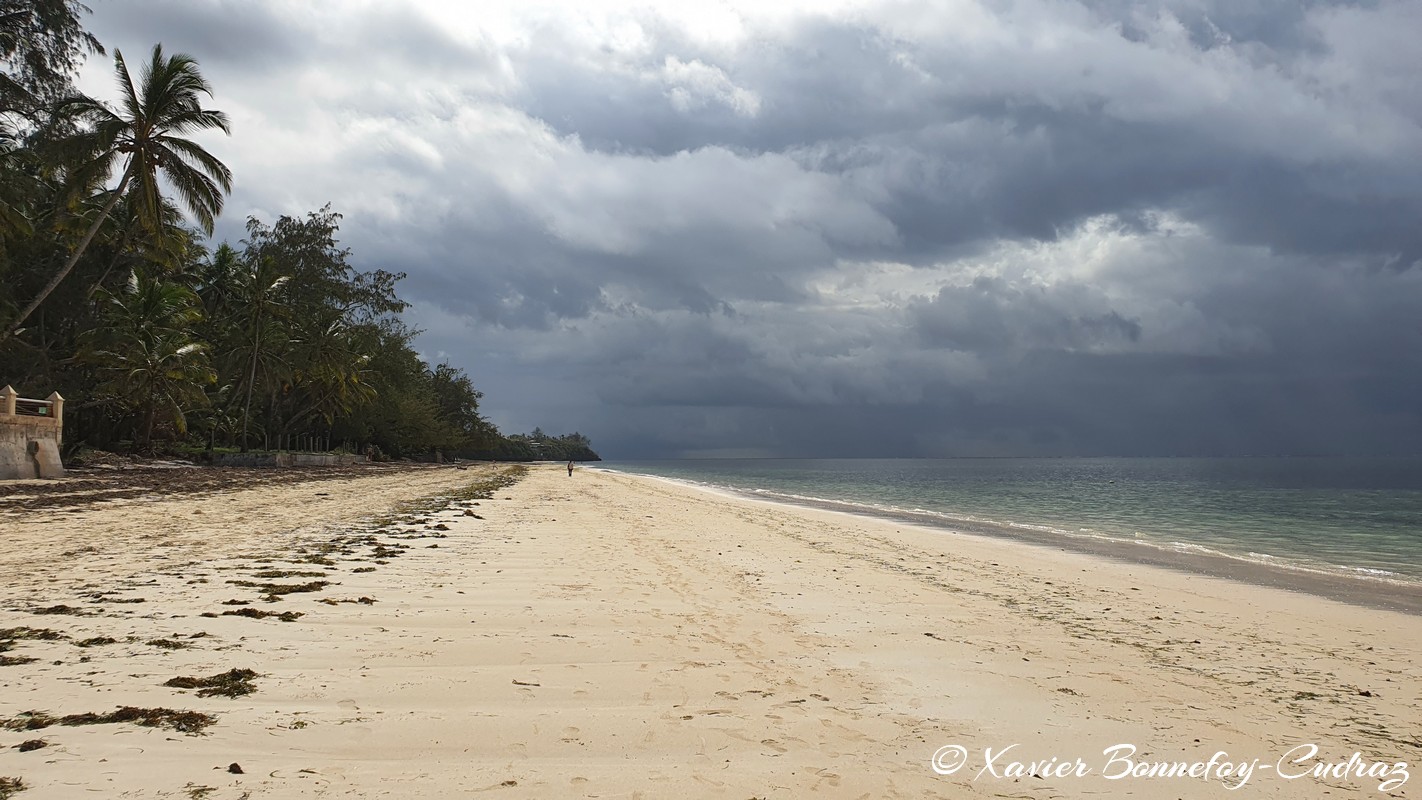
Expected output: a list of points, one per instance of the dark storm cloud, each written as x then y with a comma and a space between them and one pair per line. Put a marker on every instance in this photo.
253, 35
989, 316
969, 143
991, 228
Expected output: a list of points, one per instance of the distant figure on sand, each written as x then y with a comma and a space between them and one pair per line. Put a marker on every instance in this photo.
570, 469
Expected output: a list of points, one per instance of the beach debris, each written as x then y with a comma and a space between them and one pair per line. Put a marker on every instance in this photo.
252, 613
31, 744
95, 641
196, 792
363, 569
272, 592
181, 721
331, 601
168, 644
235, 768
23, 632
525, 683
8, 637
59, 609
289, 573
232, 683
10, 786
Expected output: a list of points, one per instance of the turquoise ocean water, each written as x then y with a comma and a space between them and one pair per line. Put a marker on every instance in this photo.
1355, 516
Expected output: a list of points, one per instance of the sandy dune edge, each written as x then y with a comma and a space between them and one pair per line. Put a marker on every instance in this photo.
610, 636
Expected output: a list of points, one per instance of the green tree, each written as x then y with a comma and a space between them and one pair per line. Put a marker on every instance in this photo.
41, 43
331, 377
148, 135
259, 302
146, 355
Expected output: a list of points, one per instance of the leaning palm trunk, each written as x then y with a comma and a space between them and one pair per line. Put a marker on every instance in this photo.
73, 258
146, 135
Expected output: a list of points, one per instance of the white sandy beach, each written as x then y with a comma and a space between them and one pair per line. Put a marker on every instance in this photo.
619, 637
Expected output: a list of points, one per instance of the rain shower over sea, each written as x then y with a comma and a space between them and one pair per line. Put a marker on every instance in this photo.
1359, 517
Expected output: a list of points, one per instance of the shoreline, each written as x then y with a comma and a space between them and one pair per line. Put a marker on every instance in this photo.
615, 635
1389, 594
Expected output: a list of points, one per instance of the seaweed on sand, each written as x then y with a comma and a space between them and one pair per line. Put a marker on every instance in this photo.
252, 613
289, 573
23, 632
481, 489
8, 637
181, 721
283, 588
59, 609
232, 683
273, 592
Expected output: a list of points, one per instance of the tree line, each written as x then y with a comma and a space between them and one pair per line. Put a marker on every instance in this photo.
111, 293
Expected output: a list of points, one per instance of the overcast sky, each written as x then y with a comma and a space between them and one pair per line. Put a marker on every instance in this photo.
966, 227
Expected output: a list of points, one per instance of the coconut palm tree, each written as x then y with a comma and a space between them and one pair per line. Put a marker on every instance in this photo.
167, 251
147, 354
332, 377
257, 292
147, 134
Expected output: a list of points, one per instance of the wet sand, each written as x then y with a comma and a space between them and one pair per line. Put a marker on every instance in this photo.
1380, 593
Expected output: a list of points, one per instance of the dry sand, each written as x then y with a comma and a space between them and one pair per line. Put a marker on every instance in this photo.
611, 636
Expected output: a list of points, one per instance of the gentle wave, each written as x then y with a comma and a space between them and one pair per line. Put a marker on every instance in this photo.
940, 519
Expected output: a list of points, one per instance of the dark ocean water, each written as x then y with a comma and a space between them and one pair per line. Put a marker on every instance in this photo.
1357, 516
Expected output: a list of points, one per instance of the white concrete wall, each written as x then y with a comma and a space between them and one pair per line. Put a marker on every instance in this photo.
29, 448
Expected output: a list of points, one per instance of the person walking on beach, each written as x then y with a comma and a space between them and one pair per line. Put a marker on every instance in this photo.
570, 469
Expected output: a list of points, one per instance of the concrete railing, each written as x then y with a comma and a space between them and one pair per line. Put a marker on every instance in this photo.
30, 434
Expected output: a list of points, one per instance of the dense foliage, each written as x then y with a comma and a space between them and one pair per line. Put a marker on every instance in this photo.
158, 340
